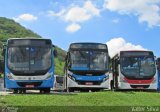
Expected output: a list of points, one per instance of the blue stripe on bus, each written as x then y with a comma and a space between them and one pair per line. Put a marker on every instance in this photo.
90, 78
77, 68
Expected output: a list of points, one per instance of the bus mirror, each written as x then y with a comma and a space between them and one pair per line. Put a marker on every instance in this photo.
66, 58
55, 53
4, 49
117, 62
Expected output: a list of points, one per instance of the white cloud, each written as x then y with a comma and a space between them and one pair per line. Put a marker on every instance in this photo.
25, 17
115, 20
59, 14
146, 10
73, 27
77, 14
119, 44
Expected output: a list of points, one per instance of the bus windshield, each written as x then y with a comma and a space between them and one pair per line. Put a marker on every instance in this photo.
29, 58
138, 66
89, 60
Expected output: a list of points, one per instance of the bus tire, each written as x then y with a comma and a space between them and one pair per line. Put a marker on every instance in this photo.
70, 90
47, 90
41, 91
24, 91
95, 90
20, 91
84, 90
112, 85
15, 91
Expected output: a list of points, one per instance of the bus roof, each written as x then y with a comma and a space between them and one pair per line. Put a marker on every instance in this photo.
118, 54
27, 38
87, 45
28, 41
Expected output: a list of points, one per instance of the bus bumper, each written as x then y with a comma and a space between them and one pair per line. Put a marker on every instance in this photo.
74, 84
30, 84
124, 85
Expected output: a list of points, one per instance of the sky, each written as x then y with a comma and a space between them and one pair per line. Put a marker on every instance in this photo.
121, 24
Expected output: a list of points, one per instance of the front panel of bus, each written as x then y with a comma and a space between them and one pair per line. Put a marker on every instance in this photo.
137, 70
29, 63
88, 67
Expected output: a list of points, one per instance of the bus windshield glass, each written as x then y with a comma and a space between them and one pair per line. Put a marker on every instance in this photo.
89, 60
29, 58
138, 66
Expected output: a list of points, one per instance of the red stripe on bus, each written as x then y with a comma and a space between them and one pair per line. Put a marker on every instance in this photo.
139, 81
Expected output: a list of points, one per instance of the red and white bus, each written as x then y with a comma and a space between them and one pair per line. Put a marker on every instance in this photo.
134, 70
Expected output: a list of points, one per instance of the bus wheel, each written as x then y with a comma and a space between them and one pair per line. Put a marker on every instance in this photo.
47, 90
70, 90
95, 90
41, 91
112, 85
84, 90
20, 91
24, 91
15, 91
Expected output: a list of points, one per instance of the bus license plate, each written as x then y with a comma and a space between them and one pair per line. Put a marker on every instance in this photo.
88, 83
29, 86
140, 88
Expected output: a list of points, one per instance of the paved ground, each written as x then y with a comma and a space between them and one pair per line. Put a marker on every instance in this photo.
5, 92
35, 92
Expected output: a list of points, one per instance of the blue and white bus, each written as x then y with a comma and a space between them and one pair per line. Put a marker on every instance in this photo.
29, 64
86, 67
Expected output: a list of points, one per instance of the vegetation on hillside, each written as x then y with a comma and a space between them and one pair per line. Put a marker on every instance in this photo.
11, 29
59, 61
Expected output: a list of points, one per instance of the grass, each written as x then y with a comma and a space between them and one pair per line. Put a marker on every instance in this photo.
101, 99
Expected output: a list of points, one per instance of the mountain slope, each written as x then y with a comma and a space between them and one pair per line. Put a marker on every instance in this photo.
11, 29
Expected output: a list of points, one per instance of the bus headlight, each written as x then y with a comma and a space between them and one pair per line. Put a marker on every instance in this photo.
123, 80
71, 77
10, 76
154, 81
106, 78
49, 76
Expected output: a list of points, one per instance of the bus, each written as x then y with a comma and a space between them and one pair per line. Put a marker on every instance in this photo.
58, 83
158, 69
29, 64
134, 70
86, 67
1, 66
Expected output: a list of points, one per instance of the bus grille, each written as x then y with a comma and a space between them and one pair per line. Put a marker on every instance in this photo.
140, 86
23, 84
94, 82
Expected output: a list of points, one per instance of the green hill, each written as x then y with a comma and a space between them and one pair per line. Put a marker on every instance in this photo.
11, 29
